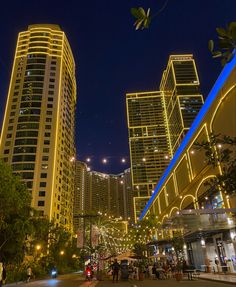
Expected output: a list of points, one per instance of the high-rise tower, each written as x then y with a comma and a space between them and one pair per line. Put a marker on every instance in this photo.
183, 100
37, 137
149, 147
157, 123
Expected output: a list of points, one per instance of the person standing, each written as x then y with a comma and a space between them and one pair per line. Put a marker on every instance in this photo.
115, 269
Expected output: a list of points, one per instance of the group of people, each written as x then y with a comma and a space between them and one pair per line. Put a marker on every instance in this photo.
159, 270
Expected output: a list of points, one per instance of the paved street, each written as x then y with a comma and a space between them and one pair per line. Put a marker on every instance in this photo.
75, 280
70, 280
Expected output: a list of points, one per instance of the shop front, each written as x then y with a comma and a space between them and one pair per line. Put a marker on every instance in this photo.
209, 238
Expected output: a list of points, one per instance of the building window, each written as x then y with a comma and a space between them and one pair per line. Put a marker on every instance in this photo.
43, 175
47, 134
49, 106
44, 158
47, 142
6, 151
48, 127
43, 184
49, 113
29, 184
40, 203
42, 193
41, 213
46, 149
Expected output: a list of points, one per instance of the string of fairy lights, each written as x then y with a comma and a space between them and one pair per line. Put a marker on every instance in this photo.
115, 240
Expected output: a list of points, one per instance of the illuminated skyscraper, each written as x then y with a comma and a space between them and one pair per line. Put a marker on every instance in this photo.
158, 121
149, 147
98, 192
37, 137
183, 100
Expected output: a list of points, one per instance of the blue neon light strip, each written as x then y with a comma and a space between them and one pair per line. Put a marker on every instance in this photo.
196, 123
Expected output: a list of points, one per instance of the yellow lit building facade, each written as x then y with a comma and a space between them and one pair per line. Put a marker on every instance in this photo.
37, 137
158, 121
149, 146
100, 193
181, 196
181, 87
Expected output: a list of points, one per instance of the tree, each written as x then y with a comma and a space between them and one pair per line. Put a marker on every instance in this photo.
143, 18
226, 36
221, 151
15, 213
226, 43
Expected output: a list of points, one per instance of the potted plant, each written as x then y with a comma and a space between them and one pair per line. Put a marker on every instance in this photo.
139, 250
177, 244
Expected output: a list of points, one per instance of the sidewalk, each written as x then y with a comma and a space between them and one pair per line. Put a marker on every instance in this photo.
228, 278
217, 282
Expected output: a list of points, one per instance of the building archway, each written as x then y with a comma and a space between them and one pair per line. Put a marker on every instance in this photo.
188, 202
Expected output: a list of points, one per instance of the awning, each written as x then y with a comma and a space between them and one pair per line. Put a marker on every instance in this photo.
202, 220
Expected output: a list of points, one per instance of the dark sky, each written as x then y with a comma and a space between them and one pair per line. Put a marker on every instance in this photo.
112, 58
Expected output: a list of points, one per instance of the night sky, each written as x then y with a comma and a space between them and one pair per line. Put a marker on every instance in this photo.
113, 59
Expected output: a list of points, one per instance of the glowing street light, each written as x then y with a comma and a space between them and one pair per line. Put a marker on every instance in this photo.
123, 160
62, 252
88, 159
104, 161
38, 247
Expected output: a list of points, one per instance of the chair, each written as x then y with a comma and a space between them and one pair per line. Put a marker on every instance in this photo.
196, 274
153, 276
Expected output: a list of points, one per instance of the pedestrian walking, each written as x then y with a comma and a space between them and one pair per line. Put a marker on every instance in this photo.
115, 269
29, 273
3, 274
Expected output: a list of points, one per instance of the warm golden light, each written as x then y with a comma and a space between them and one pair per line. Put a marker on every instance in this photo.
38, 247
